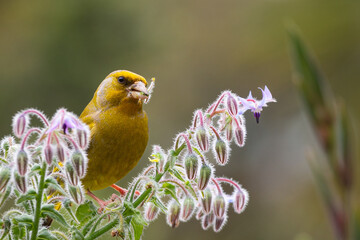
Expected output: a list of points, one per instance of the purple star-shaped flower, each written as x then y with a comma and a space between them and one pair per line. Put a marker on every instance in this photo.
65, 120
254, 105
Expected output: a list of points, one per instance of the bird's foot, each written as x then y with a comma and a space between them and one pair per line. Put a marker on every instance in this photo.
123, 191
102, 204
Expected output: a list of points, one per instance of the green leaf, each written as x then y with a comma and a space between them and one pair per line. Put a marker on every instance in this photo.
138, 229
6, 228
49, 210
51, 182
30, 195
35, 170
176, 174
89, 224
170, 190
5, 195
191, 189
46, 235
26, 220
85, 211
159, 204
18, 231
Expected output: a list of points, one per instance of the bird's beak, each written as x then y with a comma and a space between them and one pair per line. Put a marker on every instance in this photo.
139, 91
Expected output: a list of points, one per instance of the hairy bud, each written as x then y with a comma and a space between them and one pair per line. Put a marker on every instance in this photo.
78, 161
232, 105
151, 211
60, 152
229, 131
239, 136
71, 175
5, 175
219, 206
191, 165
219, 223
20, 182
207, 221
76, 194
82, 138
188, 207
22, 161
204, 176
199, 214
221, 151
20, 123
48, 154
202, 138
173, 214
206, 201
240, 199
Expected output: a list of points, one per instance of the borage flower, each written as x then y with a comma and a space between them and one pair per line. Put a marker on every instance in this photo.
63, 120
254, 105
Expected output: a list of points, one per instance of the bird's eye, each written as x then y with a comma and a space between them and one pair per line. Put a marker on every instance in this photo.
121, 79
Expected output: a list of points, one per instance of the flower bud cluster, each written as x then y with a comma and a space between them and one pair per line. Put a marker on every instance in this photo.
185, 174
60, 143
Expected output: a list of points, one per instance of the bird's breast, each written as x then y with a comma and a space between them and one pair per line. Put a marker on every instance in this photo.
118, 140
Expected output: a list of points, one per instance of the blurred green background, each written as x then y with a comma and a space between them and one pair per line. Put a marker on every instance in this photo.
55, 53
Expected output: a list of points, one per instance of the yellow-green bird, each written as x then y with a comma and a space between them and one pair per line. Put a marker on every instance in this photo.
118, 128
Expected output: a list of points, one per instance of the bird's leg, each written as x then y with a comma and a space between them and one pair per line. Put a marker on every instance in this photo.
123, 191
102, 203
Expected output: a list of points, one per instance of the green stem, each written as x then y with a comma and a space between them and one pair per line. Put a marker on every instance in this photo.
103, 230
142, 197
38, 202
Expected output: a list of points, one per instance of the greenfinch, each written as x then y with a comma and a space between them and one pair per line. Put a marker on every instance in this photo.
118, 128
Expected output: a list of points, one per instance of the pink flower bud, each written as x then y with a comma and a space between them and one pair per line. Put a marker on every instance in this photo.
202, 138
173, 214
221, 151
5, 175
206, 201
22, 161
48, 154
60, 153
188, 207
79, 163
76, 194
151, 211
20, 124
219, 223
239, 136
191, 165
204, 176
20, 182
240, 200
207, 221
219, 206
229, 131
199, 214
82, 137
71, 175
232, 105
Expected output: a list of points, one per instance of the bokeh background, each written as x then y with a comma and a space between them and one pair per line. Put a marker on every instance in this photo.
55, 53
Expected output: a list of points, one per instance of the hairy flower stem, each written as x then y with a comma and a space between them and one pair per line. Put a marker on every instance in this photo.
27, 135
177, 183
142, 197
229, 181
37, 113
38, 202
217, 185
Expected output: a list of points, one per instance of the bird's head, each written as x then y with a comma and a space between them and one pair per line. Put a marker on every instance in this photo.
122, 87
